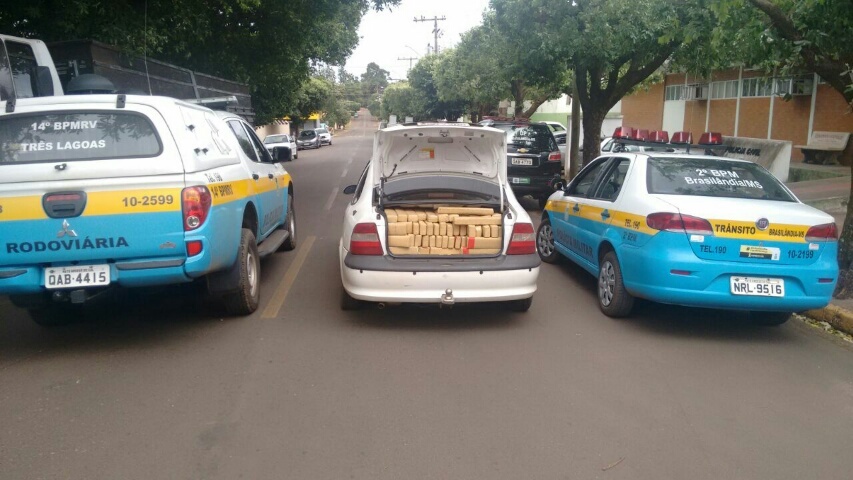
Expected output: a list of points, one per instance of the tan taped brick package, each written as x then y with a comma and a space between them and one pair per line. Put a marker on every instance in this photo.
444, 231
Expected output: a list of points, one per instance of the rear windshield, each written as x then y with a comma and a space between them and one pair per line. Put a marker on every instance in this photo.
534, 137
275, 139
307, 134
69, 136
713, 178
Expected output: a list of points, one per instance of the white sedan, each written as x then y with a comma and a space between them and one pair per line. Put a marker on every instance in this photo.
432, 220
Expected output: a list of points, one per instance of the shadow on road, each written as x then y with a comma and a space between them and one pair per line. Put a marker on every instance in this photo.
433, 317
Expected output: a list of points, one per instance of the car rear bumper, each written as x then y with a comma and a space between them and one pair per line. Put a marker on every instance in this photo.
678, 277
137, 273
408, 283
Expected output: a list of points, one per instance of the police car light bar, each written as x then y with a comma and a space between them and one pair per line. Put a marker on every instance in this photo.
623, 132
659, 136
711, 138
681, 138
641, 135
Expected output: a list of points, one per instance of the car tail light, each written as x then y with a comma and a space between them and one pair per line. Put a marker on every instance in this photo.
523, 240
675, 222
822, 233
555, 157
196, 203
365, 240
194, 247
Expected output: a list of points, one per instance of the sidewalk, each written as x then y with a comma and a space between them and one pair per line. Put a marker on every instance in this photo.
830, 195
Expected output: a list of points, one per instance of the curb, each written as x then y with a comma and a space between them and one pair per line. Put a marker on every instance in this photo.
840, 318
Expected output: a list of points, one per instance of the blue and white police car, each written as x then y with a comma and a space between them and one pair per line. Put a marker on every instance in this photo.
694, 230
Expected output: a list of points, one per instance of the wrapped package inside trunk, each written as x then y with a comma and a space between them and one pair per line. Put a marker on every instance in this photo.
444, 230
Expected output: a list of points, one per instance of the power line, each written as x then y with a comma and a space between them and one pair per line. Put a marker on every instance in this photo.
435, 30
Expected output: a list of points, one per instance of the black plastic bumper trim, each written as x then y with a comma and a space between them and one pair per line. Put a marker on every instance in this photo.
387, 263
148, 265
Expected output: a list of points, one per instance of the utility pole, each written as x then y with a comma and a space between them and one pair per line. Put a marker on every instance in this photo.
410, 59
435, 30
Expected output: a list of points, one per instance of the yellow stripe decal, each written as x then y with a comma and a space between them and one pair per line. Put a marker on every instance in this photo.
144, 200
748, 230
21, 208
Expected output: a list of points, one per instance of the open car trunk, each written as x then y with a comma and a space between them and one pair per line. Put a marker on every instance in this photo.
444, 230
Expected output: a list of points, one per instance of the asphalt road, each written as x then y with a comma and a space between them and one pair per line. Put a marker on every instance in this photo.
158, 386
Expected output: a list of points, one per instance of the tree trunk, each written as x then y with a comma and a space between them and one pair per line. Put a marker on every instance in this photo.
593, 119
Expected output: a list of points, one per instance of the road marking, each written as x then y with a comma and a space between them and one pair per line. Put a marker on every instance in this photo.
344, 175
283, 289
331, 200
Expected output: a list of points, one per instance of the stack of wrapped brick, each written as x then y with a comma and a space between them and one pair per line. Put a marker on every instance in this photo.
444, 231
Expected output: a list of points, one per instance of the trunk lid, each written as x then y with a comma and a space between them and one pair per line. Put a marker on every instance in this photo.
442, 148
88, 184
753, 231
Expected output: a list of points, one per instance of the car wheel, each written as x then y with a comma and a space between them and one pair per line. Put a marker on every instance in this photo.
545, 242
769, 319
290, 226
349, 303
543, 200
613, 299
245, 300
522, 305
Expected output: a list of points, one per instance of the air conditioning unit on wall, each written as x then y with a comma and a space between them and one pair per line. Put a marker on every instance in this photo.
697, 91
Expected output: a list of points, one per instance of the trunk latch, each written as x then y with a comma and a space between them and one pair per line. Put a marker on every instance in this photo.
64, 204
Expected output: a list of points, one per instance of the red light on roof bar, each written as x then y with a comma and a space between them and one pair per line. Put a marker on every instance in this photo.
685, 138
623, 132
711, 138
641, 134
659, 136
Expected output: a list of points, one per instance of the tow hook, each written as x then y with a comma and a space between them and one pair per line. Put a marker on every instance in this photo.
447, 298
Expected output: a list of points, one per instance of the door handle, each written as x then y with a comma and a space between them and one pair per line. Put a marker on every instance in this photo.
255, 176
271, 176
576, 208
605, 214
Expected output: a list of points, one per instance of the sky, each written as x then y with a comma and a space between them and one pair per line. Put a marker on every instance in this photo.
392, 34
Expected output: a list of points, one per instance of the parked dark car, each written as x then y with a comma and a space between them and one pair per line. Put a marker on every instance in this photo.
534, 161
308, 139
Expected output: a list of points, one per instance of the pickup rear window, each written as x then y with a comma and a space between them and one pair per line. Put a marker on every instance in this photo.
713, 178
70, 136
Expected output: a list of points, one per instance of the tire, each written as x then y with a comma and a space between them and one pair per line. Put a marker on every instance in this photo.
769, 319
522, 305
348, 303
542, 201
246, 299
545, 242
290, 226
613, 299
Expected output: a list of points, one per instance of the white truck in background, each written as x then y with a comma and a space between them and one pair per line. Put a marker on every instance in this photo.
26, 70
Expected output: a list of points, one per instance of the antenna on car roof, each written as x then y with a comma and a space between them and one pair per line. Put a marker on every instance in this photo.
145, 46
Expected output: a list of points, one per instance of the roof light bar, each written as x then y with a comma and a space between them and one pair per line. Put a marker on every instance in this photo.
681, 138
659, 136
711, 138
623, 132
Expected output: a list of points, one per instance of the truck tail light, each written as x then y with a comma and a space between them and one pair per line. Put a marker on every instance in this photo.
555, 157
365, 240
675, 222
822, 233
195, 202
522, 241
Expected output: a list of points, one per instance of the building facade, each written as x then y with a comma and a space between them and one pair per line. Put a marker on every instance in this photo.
743, 103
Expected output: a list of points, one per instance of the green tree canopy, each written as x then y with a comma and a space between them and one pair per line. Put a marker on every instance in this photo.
268, 43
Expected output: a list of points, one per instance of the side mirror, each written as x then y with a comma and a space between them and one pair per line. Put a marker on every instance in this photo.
350, 189
281, 154
561, 140
44, 81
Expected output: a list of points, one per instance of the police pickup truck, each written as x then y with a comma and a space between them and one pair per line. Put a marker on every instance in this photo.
105, 191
